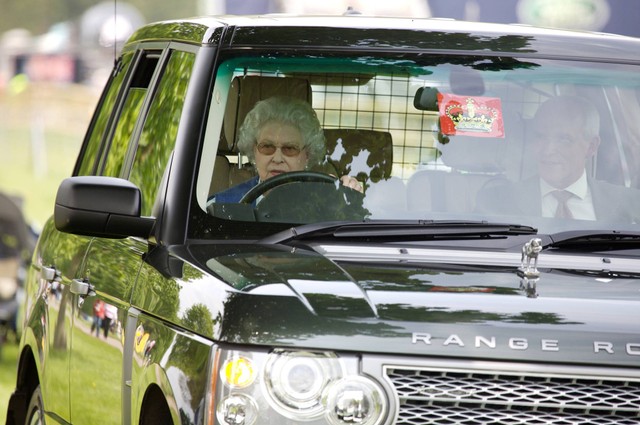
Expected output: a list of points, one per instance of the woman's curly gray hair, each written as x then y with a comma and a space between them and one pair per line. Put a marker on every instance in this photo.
288, 110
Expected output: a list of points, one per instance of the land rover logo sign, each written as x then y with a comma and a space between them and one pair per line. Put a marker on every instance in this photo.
589, 15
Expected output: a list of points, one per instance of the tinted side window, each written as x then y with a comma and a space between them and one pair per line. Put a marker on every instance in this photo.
88, 161
132, 107
161, 127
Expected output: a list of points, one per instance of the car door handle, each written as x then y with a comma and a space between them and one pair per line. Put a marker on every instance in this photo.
82, 287
49, 274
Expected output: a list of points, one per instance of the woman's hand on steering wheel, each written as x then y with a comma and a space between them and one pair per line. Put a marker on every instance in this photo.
352, 183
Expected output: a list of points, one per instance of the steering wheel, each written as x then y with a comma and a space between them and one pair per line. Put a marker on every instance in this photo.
285, 178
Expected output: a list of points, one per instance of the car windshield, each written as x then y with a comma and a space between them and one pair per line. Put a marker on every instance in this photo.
550, 144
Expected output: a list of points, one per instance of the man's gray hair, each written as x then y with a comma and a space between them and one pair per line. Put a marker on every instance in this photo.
579, 111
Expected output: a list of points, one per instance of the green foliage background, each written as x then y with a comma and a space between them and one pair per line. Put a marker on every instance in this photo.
38, 16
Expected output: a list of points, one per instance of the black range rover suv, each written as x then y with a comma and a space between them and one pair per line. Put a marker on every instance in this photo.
451, 284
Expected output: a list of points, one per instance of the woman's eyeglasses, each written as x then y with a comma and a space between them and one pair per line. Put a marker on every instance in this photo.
270, 149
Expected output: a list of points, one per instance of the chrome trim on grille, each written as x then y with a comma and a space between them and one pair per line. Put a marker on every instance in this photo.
481, 393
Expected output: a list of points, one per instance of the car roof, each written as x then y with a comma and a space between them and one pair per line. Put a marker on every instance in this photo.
380, 33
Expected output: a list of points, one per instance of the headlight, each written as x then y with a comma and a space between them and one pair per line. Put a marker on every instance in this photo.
296, 380
237, 409
355, 400
288, 387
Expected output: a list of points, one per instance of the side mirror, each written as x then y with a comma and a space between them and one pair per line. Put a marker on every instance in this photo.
101, 206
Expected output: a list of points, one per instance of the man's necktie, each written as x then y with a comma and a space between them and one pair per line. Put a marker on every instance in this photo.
563, 210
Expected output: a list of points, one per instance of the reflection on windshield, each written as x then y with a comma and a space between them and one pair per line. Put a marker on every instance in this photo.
551, 145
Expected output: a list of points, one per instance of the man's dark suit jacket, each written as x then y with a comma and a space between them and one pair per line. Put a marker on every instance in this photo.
611, 203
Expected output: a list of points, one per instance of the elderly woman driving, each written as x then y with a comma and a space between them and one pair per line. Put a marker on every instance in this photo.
280, 135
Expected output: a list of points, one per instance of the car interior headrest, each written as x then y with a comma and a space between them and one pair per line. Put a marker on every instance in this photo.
246, 91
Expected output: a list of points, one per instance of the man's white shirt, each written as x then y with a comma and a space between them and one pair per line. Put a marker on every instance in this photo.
580, 204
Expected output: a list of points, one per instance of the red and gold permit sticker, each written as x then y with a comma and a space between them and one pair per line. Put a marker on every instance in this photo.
478, 116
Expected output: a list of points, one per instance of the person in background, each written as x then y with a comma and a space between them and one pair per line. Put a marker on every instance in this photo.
98, 316
110, 317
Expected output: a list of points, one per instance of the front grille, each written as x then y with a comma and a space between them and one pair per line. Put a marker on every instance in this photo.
441, 396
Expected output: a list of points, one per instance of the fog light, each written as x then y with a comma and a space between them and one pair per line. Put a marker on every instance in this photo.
237, 409
355, 400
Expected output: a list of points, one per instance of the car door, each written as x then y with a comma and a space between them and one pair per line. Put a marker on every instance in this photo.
143, 139
59, 257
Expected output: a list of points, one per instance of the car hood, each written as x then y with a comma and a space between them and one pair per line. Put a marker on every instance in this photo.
416, 306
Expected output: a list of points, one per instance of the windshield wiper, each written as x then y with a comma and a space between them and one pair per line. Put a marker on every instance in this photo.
599, 240
399, 229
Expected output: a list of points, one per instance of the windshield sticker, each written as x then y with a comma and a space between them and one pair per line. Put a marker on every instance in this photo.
470, 116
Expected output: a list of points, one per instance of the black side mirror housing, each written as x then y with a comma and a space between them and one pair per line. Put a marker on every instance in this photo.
107, 207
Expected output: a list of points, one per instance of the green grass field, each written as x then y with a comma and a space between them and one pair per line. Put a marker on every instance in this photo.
41, 130
8, 364
93, 353
35, 184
